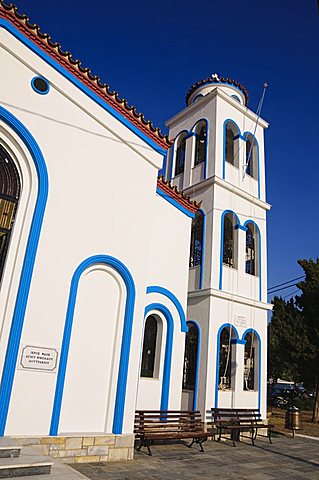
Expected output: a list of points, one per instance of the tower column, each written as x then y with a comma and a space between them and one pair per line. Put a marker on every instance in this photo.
238, 352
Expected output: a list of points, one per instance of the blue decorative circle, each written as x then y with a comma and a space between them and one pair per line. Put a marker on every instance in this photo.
40, 85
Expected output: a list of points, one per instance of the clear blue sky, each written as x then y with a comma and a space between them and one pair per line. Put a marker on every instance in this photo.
151, 52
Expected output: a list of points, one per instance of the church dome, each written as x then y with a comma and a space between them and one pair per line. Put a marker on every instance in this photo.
231, 87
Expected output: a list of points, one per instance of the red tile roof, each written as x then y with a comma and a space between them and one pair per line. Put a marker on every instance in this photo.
182, 199
43, 40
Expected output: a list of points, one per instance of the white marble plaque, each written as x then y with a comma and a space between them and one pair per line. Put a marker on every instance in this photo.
38, 358
240, 320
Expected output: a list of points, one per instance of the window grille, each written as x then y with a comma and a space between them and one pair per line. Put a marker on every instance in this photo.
250, 252
190, 359
249, 364
180, 156
195, 257
228, 247
200, 147
9, 197
224, 381
149, 347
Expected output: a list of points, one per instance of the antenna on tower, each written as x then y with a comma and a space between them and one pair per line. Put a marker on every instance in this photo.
258, 112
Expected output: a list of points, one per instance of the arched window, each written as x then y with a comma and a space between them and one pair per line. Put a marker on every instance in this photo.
180, 154
225, 360
201, 143
149, 347
9, 198
196, 249
250, 361
190, 358
251, 249
230, 241
232, 147
251, 156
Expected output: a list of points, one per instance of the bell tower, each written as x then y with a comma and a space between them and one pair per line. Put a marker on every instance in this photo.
217, 158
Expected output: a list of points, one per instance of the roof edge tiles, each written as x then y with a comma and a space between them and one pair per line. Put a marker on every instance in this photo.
218, 80
43, 40
171, 190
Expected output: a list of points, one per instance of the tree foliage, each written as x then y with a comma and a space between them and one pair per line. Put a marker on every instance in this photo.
294, 334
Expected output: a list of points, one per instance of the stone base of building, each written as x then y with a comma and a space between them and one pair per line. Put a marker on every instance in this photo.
84, 448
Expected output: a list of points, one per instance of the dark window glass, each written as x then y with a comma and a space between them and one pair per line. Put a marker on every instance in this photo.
195, 257
250, 251
228, 247
180, 156
190, 359
249, 363
230, 144
200, 148
249, 157
9, 197
224, 381
41, 85
149, 347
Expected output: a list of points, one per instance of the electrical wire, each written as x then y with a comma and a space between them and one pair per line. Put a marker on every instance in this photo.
285, 283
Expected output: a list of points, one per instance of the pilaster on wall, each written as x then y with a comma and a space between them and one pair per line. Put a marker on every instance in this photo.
238, 350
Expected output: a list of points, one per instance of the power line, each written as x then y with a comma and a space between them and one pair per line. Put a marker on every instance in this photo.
282, 288
285, 283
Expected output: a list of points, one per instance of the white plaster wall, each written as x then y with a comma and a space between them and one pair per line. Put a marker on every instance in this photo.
102, 200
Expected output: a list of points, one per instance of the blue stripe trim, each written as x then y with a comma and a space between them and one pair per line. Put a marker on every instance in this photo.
251, 330
259, 255
175, 203
174, 300
207, 141
240, 227
5, 24
234, 330
168, 351
197, 363
202, 260
125, 347
28, 264
222, 244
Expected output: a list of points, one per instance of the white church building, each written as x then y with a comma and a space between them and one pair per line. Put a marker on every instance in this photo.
119, 289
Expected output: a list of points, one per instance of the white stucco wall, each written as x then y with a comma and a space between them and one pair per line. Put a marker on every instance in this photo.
102, 200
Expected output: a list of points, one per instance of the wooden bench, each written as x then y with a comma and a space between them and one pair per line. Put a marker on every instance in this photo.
153, 425
235, 421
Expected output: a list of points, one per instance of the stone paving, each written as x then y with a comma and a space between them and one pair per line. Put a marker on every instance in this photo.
286, 458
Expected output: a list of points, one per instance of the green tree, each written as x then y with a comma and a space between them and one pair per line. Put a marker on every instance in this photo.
294, 334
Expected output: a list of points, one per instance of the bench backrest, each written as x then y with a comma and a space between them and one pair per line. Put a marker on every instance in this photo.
165, 421
236, 415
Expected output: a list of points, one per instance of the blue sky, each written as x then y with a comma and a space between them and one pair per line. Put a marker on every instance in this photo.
152, 52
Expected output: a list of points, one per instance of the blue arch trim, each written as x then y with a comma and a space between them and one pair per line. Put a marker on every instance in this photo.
176, 302
48, 59
168, 350
234, 330
222, 244
228, 120
259, 254
125, 347
251, 330
207, 141
202, 260
28, 264
258, 159
197, 363
173, 155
